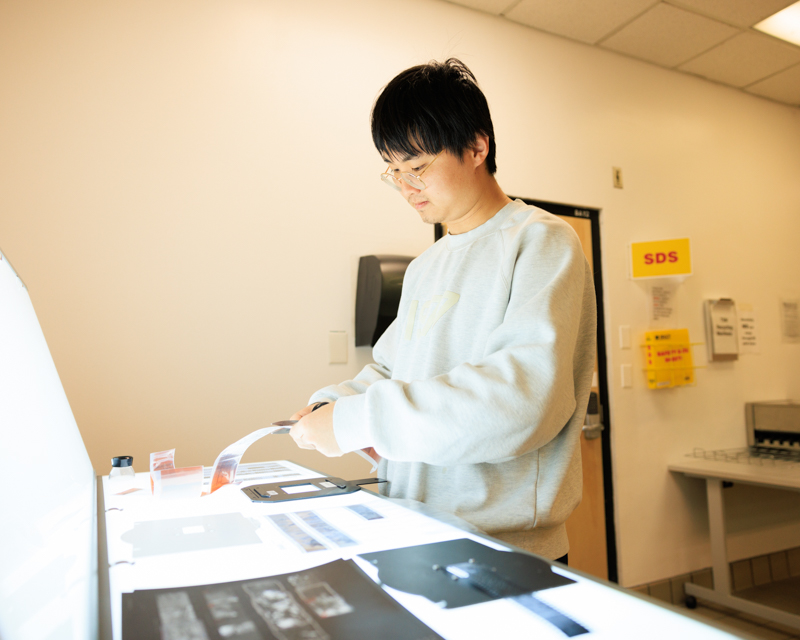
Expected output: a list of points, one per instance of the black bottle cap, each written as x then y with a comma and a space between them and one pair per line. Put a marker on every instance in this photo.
122, 461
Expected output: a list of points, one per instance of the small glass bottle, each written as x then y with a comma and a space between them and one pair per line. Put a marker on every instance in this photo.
122, 476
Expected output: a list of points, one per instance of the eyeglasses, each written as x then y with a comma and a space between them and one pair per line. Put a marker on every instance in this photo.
393, 179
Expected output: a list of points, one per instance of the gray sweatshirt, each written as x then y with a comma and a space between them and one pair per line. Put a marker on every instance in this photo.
480, 385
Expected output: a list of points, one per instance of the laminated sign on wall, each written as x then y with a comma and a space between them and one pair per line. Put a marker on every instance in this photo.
668, 359
661, 259
722, 335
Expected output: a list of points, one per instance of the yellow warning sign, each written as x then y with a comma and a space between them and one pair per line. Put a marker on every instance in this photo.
661, 258
668, 359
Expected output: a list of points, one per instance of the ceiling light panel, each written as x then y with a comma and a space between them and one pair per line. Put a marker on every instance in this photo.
741, 13
784, 25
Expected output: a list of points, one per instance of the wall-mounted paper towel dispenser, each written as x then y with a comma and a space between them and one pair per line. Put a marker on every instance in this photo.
380, 282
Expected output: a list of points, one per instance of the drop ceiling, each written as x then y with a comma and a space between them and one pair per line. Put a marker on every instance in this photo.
713, 39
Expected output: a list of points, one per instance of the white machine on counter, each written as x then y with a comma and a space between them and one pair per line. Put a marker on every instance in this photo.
773, 427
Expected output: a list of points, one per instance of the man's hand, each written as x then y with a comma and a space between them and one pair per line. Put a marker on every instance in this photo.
314, 430
303, 412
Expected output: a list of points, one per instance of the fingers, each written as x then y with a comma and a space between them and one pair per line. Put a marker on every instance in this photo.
315, 431
297, 435
303, 412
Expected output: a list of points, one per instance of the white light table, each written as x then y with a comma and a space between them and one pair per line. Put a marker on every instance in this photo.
184, 543
715, 469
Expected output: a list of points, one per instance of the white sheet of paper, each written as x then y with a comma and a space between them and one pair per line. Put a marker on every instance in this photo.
790, 320
662, 296
748, 332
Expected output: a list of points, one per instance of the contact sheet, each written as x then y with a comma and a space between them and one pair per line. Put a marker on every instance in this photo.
334, 600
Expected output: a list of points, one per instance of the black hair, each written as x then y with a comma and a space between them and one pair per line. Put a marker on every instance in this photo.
430, 108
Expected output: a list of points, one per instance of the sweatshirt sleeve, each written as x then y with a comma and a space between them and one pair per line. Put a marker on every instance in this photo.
380, 370
517, 397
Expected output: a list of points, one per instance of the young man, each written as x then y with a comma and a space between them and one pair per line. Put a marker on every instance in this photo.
480, 386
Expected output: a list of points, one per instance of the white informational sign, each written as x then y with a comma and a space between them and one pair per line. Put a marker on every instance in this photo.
748, 332
790, 320
663, 299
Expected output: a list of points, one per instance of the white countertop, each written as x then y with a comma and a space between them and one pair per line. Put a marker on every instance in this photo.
768, 473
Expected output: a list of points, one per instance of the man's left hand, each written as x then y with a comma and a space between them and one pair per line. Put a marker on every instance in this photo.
315, 431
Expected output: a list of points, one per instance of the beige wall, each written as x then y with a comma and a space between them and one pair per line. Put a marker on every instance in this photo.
186, 188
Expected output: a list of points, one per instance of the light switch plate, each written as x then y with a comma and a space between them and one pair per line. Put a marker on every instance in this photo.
617, 175
337, 343
626, 375
624, 336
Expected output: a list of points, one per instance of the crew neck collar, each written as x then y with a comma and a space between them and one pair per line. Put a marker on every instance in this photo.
494, 223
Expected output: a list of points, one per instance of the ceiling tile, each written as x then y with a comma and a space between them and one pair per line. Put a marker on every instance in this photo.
744, 59
577, 19
742, 13
495, 7
668, 36
783, 86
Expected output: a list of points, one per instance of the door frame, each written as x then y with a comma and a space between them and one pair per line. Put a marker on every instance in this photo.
593, 215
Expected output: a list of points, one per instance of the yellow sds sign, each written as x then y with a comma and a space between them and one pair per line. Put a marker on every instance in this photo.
661, 258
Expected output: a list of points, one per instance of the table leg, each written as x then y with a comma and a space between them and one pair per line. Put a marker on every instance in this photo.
719, 548
721, 593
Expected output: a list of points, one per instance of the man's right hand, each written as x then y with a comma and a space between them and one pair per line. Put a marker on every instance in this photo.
303, 412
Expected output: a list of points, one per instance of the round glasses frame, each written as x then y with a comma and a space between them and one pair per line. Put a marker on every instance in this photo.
393, 179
